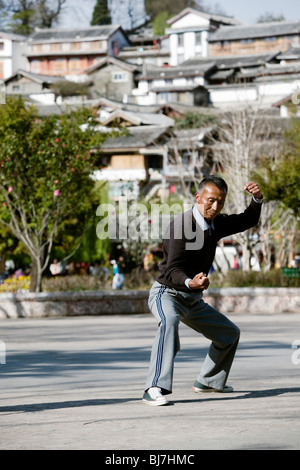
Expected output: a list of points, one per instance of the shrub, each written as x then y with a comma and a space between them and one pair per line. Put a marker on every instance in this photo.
239, 278
74, 283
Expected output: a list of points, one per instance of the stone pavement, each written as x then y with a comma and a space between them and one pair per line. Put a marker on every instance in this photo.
76, 383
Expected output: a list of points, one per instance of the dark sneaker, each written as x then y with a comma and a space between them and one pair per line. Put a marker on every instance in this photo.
154, 397
198, 387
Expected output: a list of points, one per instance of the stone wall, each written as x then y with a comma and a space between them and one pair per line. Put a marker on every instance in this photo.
234, 300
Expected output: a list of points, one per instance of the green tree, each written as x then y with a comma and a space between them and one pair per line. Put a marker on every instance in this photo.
22, 16
193, 120
159, 23
269, 17
155, 7
45, 183
67, 88
280, 178
101, 13
159, 11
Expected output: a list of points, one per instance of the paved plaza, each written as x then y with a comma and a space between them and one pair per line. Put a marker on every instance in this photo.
77, 382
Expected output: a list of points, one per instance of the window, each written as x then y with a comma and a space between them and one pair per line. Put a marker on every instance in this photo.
180, 58
95, 45
59, 65
119, 77
180, 39
37, 47
75, 46
56, 47
115, 45
181, 97
198, 38
1, 46
35, 66
163, 97
74, 64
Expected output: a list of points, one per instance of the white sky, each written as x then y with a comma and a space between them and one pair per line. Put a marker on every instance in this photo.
249, 11
78, 14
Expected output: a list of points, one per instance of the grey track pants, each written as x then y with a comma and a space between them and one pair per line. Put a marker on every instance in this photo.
169, 307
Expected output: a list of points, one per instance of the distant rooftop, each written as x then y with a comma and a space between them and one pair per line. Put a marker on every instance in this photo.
199, 68
49, 34
259, 30
217, 18
293, 53
232, 61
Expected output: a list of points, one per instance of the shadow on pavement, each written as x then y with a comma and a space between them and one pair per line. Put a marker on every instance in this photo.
37, 407
272, 392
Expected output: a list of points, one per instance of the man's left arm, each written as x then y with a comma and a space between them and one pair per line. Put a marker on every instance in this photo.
228, 225
253, 189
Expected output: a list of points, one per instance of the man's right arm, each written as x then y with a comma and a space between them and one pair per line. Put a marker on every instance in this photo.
200, 282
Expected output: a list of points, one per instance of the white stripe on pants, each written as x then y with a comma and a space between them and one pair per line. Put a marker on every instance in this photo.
169, 307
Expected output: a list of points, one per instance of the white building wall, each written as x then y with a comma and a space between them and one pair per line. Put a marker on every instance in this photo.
189, 49
6, 58
264, 93
233, 95
190, 20
278, 88
205, 46
19, 59
12, 56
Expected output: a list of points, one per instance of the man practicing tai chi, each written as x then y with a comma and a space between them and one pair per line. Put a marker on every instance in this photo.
188, 253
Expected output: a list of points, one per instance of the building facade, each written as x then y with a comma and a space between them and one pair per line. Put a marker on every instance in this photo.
189, 33
254, 39
12, 54
112, 78
68, 52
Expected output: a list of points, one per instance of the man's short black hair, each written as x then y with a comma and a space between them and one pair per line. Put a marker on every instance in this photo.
214, 180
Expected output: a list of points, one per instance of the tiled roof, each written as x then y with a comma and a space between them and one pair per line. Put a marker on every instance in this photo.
184, 70
236, 61
278, 69
176, 88
218, 18
139, 118
222, 74
36, 77
259, 30
12, 36
113, 60
52, 34
291, 54
139, 137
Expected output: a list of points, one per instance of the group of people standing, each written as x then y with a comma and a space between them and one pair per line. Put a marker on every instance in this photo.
118, 267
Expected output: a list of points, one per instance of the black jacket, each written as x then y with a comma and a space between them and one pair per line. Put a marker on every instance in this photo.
188, 250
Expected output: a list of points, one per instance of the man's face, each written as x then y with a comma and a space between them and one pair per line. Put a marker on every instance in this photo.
210, 201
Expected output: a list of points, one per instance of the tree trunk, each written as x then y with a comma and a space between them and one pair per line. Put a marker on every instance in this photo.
35, 275
246, 257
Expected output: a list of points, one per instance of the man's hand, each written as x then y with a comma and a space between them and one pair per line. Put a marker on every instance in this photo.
253, 188
200, 281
